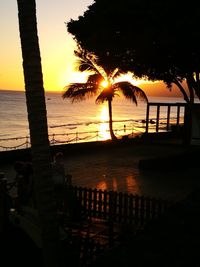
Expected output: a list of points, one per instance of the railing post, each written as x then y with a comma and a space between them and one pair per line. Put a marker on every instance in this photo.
147, 118
157, 118
168, 116
178, 115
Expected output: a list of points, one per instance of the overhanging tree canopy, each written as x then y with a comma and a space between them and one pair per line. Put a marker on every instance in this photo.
156, 39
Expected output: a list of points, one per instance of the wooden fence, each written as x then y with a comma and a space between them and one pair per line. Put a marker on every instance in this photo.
119, 207
106, 213
84, 242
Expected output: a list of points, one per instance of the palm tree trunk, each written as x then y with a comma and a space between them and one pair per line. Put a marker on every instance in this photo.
37, 117
112, 135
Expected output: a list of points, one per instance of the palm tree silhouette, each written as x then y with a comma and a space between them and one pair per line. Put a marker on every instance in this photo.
40, 147
101, 82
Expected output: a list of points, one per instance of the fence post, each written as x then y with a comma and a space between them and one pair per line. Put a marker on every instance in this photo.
110, 219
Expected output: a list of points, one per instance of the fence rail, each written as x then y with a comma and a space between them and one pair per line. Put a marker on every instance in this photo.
172, 114
23, 142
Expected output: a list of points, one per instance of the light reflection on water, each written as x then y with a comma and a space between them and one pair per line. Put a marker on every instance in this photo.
103, 126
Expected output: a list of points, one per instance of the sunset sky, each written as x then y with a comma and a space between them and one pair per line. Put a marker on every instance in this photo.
56, 45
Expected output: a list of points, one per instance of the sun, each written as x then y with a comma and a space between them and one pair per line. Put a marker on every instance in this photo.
104, 84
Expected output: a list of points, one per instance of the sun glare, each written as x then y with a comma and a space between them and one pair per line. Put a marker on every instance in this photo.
80, 77
104, 84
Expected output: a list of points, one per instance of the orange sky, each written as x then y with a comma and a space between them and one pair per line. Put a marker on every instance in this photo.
160, 89
56, 46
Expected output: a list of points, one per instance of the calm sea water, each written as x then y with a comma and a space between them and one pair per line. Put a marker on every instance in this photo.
67, 120
83, 121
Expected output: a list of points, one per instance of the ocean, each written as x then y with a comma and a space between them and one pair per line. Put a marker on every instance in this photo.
86, 121
69, 123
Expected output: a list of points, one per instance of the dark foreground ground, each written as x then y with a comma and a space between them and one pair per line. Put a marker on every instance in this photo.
171, 241
17, 249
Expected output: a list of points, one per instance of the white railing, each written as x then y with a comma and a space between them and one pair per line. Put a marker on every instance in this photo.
134, 128
23, 142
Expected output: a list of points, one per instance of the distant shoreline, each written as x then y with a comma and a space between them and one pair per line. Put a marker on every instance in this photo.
154, 92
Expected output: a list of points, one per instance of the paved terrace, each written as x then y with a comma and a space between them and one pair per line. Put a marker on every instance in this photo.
160, 166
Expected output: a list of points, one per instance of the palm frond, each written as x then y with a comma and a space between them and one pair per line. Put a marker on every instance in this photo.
85, 66
105, 95
79, 91
94, 78
87, 61
116, 73
131, 91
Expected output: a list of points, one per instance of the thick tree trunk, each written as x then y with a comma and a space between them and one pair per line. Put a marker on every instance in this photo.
37, 118
178, 84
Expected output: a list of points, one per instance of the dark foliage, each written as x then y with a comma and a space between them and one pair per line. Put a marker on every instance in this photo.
155, 39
